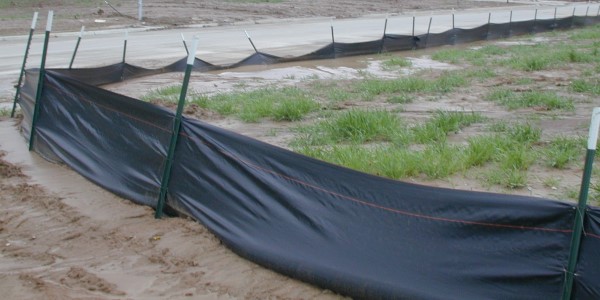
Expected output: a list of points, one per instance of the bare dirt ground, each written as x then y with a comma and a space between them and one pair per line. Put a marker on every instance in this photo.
64, 238
15, 16
80, 242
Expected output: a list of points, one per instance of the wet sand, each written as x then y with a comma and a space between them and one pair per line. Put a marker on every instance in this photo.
62, 237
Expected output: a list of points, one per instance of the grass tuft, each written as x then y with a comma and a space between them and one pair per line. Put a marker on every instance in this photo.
563, 150
285, 104
442, 123
395, 63
585, 86
353, 126
543, 100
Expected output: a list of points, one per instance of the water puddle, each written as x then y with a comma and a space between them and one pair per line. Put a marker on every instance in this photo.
287, 74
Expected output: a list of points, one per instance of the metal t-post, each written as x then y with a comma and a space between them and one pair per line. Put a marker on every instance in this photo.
332, 39
125, 45
251, 42
428, 30
38, 95
510, 25
175, 134
487, 34
555, 10
581, 205
414, 41
76, 47
454, 35
533, 29
332, 35
185, 45
383, 37
20, 81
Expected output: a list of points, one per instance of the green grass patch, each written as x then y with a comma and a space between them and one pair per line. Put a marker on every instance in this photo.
401, 98
481, 150
436, 161
475, 57
544, 100
285, 104
445, 83
440, 160
373, 87
437, 128
480, 73
590, 33
585, 86
169, 94
395, 63
509, 178
516, 157
524, 133
5, 112
563, 150
448, 81
543, 57
453, 55
353, 126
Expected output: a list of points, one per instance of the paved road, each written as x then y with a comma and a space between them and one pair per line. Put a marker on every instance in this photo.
229, 44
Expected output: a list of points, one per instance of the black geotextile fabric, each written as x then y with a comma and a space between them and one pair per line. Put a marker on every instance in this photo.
588, 270
118, 142
356, 234
389, 42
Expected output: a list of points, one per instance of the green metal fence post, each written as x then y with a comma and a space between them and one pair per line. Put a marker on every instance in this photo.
18, 86
555, 11
332, 35
251, 42
533, 28
487, 34
332, 38
187, 52
383, 37
125, 45
175, 135
510, 24
428, 30
581, 205
76, 47
38, 95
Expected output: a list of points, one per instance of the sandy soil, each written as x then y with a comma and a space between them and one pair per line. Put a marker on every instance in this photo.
15, 16
72, 240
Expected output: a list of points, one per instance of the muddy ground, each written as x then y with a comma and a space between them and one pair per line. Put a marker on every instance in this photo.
64, 238
15, 16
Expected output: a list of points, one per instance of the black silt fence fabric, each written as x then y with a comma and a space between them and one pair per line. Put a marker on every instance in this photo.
365, 236
326, 52
359, 235
118, 142
394, 42
360, 48
389, 42
587, 275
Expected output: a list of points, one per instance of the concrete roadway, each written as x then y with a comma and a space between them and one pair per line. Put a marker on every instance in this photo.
227, 44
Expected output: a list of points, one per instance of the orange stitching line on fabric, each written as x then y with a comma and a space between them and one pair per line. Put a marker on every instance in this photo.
363, 202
